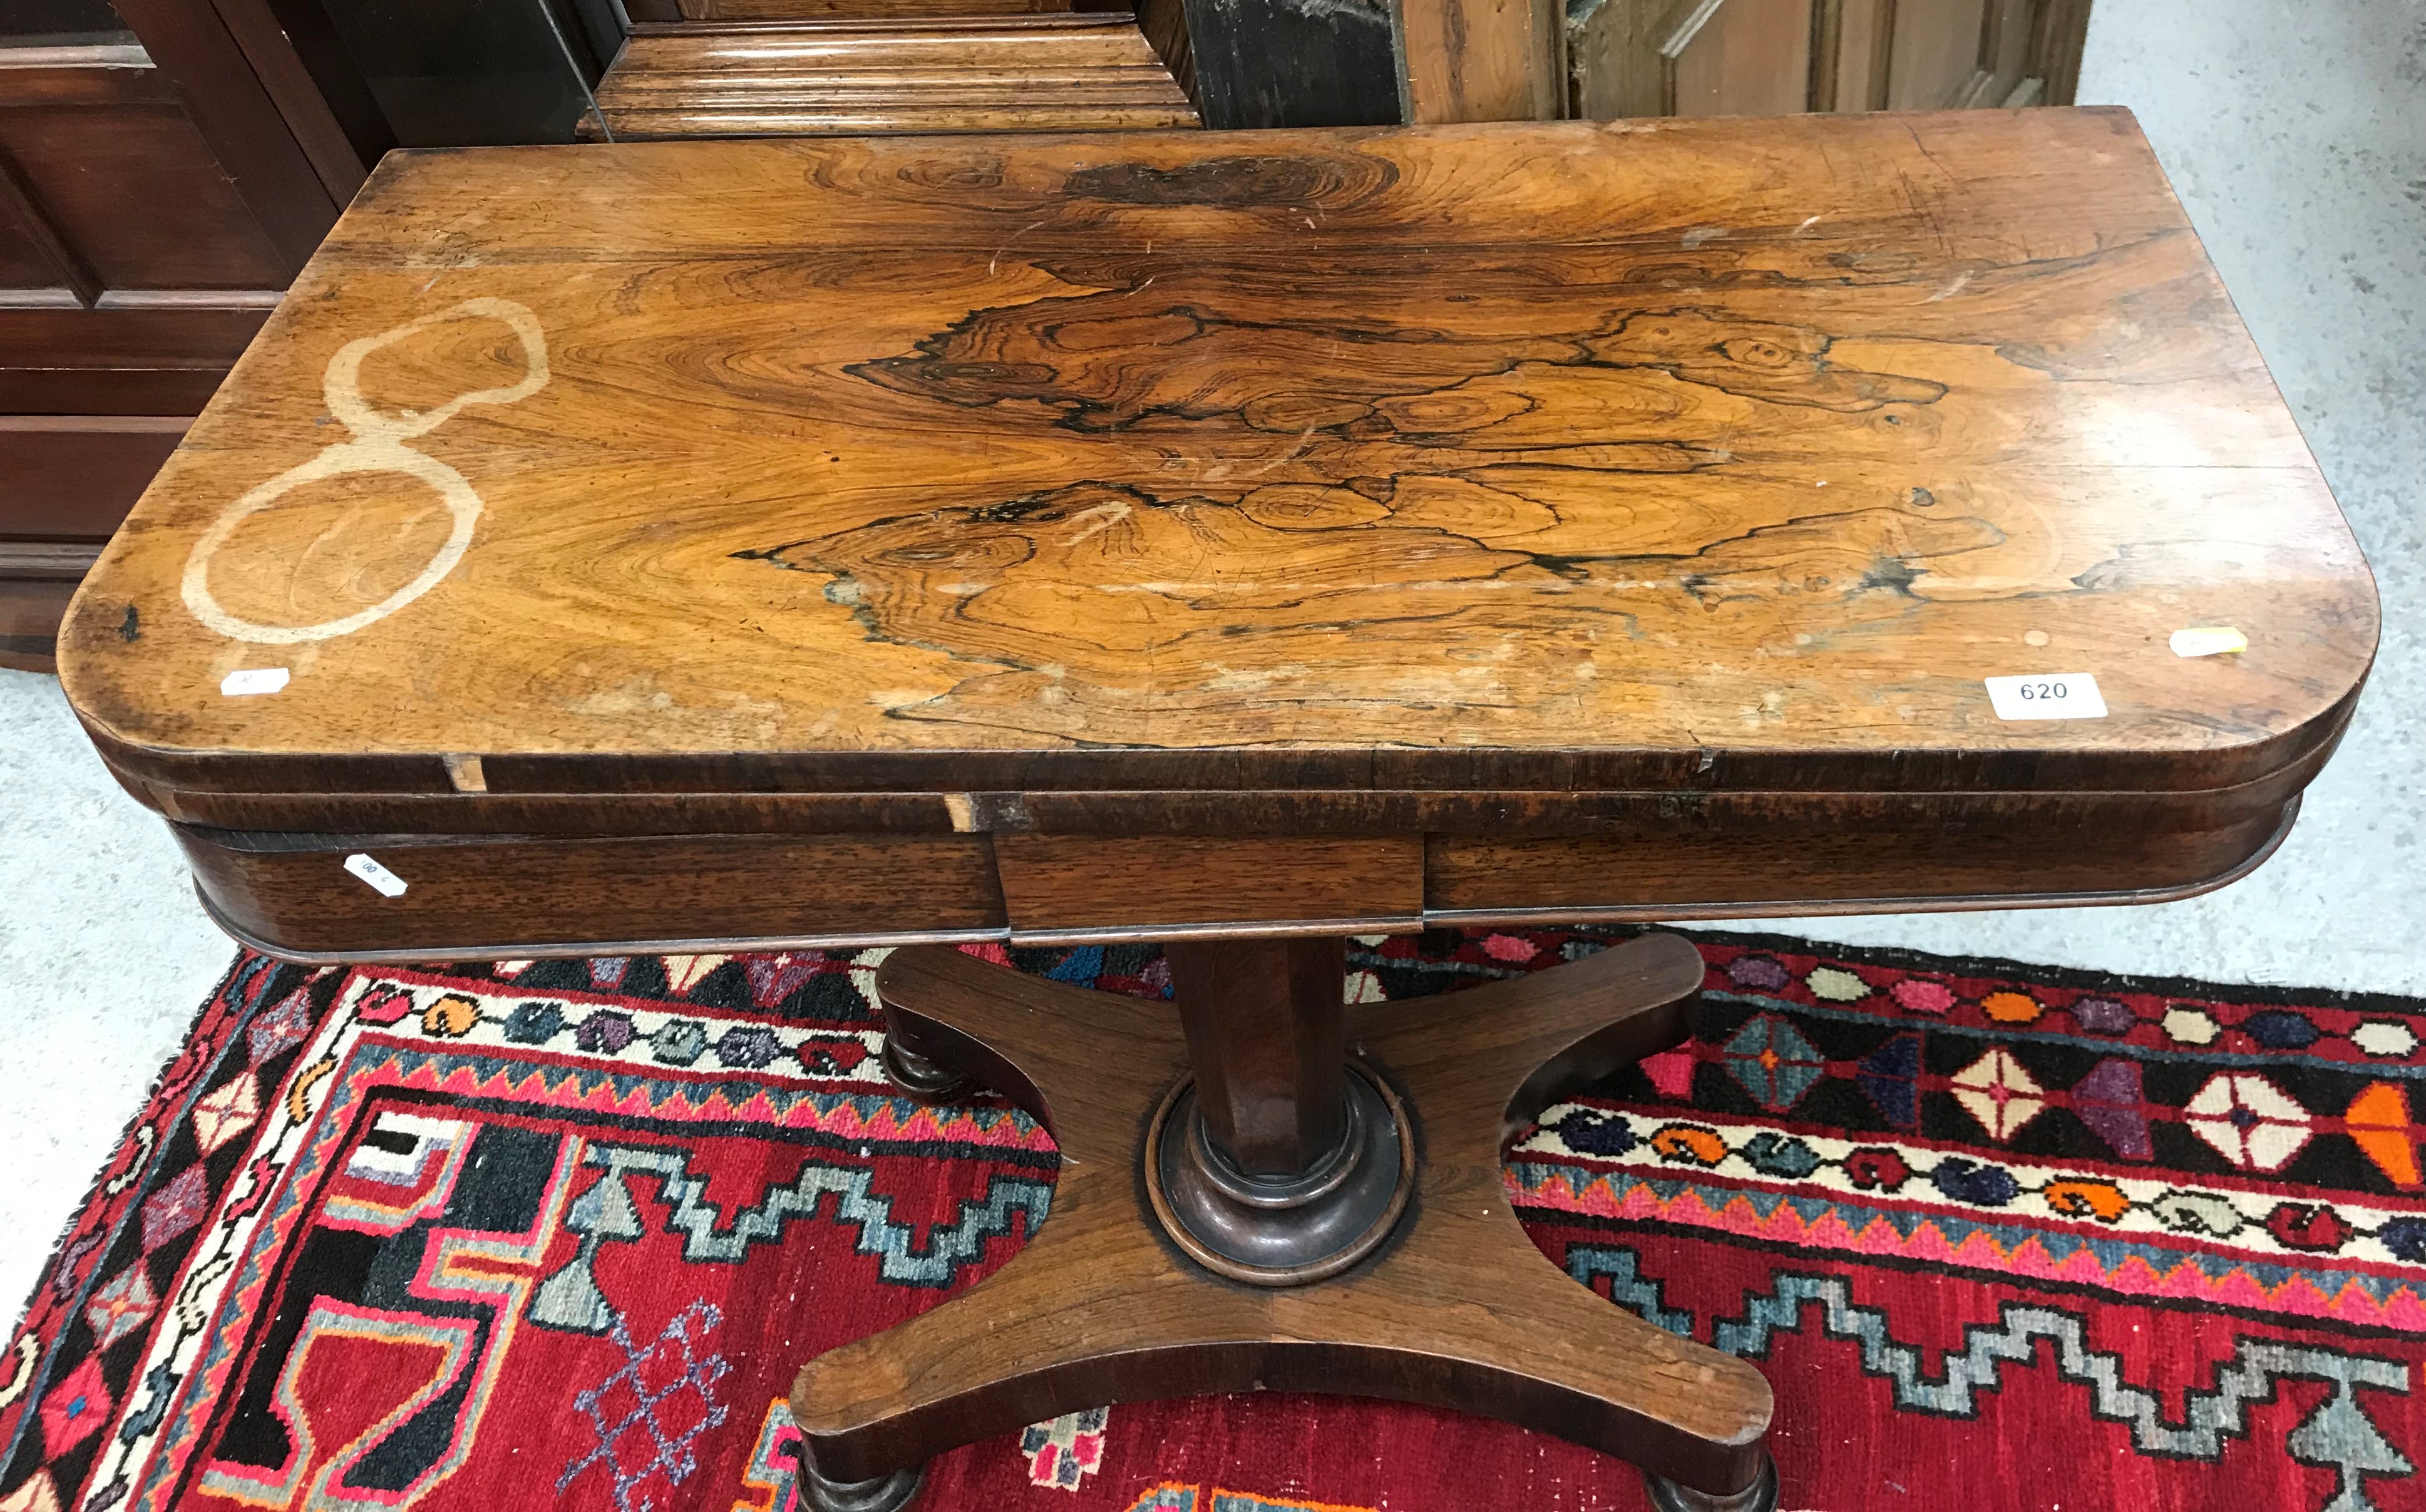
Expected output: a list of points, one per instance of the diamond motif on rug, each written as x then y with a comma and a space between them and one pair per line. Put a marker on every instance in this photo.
75, 1408
1774, 1061
222, 1114
666, 1412
175, 1209
2249, 1120
1997, 1090
120, 1306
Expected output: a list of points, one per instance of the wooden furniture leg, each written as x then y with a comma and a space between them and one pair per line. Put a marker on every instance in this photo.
1455, 1309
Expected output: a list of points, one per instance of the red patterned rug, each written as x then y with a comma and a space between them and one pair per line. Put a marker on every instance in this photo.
559, 1234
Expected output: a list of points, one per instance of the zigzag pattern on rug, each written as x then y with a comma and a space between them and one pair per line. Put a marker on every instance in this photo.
570, 1299
2338, 1434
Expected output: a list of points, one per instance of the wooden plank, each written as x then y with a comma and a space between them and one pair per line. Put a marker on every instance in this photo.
1481, 60
1113, 883
1083, 73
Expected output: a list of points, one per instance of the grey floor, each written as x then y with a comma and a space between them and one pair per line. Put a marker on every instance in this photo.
2296, 135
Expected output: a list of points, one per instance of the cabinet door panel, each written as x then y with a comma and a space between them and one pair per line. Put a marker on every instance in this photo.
1934, 54
133, 188
1747, 58
1690, 58
1718, 58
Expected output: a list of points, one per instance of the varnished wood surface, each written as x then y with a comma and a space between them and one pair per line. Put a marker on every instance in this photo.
1456, 1310
1092, 455
1089, 881
831, 77
1266, 1027
293, 894
1479, 60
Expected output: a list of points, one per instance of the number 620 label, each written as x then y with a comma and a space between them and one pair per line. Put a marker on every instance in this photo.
2047, 695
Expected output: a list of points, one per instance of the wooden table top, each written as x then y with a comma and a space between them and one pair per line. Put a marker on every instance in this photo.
1636, 454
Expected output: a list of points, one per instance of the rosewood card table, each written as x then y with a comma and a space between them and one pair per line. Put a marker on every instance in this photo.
1243, 541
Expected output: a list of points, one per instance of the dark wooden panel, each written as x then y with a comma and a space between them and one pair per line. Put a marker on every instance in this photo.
1165, 25
30, 610
26, 259
1699, 812
294, 54
75, 476
1261, 63
248, 136
293, 893
138, 194
1111, 882
1589, 875
179, 392
34, 253
122, 360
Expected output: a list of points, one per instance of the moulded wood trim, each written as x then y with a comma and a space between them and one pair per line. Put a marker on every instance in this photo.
1430, 918
66, 560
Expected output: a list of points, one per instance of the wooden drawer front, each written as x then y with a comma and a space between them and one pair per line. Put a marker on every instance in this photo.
525, 895
1108, 885
1660, 870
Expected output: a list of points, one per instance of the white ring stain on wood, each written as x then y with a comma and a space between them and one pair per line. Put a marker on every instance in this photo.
377, 446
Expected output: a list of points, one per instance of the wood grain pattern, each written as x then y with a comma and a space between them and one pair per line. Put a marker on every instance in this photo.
1266, 1027
1481, 61
1458, 1310
1566, 493
294, 891
1008, 72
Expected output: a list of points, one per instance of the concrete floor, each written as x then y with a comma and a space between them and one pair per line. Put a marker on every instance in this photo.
2297, 138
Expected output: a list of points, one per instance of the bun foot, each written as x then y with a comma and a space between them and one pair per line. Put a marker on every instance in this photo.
921, 1079
1760, 1496
880, 1493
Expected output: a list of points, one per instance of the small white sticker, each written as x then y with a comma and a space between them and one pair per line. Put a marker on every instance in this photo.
253, 680
2048, 696
388, 882
2208, 641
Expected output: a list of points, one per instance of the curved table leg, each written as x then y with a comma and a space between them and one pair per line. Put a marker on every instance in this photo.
1458, 1310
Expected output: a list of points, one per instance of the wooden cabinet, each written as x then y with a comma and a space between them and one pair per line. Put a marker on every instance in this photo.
160, 182
1772, 57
